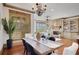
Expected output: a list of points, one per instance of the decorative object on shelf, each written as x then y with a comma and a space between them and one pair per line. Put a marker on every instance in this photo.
39, 8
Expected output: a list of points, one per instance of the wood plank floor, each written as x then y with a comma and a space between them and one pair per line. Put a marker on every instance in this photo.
19, 50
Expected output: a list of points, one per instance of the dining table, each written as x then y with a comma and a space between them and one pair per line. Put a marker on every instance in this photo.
43, 46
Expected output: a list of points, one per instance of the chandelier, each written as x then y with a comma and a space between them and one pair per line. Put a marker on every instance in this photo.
39, 8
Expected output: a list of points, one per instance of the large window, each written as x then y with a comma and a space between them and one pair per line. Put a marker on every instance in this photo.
23, 23
41, 26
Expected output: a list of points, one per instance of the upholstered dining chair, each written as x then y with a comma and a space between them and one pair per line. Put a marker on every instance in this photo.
71, 50
31, 50
25, 47
52, 38
28, 49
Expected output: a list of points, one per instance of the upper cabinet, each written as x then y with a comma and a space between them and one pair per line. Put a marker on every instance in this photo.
74, 25
66, 25
70, 24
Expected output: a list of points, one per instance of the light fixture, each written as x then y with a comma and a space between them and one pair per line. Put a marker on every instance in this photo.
39, 8
47, 18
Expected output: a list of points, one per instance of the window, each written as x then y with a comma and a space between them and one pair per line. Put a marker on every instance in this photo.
23, 23
41, 26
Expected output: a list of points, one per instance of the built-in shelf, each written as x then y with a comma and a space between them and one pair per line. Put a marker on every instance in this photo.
71, 27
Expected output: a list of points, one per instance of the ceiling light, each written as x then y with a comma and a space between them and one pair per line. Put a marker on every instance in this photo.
39, 8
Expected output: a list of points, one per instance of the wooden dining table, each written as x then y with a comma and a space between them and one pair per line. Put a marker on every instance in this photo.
43, 47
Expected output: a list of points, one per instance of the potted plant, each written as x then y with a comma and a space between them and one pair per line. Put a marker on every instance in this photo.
9, 27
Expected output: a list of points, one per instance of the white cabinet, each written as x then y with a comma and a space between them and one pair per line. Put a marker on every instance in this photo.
66, 25
74, 25
71, 27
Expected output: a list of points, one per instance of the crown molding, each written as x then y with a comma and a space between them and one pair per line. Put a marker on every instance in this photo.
14, 7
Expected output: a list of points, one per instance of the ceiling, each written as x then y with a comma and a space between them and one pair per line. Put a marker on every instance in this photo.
54, 10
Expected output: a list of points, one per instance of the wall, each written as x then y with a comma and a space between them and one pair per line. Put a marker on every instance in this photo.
1, 28
3, 35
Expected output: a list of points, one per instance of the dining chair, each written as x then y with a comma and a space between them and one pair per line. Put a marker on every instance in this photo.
71, 50
25, 47
52, 38
29, 36
30, 50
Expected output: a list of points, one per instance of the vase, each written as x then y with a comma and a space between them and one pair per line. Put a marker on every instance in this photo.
38, 36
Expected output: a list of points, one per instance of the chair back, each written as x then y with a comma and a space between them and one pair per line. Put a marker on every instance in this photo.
52, 38
28, 35
30, 49
71, 50
24, 43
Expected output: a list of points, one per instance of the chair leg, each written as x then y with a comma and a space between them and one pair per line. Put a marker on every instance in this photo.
28, 53
24, 51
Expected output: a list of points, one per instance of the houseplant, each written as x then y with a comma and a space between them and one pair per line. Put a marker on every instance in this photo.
9, 27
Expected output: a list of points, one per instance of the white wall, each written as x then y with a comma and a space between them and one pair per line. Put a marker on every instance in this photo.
3, 35
1, 28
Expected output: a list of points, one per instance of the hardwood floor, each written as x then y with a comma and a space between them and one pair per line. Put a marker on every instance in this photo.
16, 50
67, 43
19, 50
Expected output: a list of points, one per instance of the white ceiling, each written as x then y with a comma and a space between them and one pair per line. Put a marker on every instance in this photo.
59, 9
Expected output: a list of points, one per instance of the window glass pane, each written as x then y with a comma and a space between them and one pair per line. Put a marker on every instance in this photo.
41, 27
